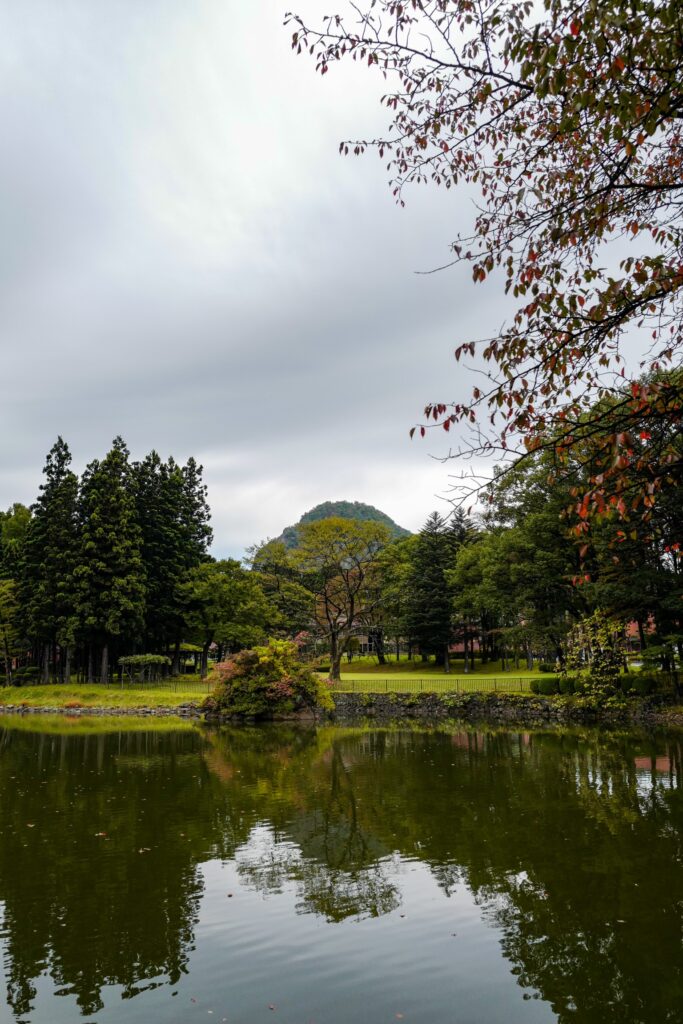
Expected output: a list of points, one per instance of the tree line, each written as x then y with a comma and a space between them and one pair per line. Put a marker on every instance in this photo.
519, 582
103, 565
114, 567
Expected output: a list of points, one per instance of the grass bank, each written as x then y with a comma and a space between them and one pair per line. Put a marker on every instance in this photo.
86, 695
64, 725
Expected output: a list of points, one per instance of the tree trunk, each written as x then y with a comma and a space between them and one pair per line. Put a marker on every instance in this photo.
8, 660
204, 671
378, 643
466, 652
104, 665
641, 634
446, 660
398, 648
46, 663
175, 665
90, 665
335, 658
67, 665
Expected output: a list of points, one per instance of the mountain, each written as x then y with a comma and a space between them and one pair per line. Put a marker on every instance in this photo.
345, 510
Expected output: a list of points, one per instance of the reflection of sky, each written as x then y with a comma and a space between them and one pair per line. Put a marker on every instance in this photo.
435, 958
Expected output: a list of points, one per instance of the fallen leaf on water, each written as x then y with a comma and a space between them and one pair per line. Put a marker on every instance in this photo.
30, 826
271, 1006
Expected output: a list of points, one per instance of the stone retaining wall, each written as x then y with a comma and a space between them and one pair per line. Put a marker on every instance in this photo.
498, 708
182, 711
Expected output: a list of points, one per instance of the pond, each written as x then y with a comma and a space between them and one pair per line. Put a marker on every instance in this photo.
152, 872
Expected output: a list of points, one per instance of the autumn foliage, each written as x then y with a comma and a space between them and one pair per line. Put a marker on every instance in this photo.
567, 118
265, 682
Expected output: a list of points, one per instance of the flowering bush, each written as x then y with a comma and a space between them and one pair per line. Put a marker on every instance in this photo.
267, 681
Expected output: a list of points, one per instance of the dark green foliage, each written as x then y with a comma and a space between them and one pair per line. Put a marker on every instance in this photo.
145, 666
25, 675
546, 687
342, 510
429, 590
265, 682
224, 604
51, 554
98, 564
644, 683
110, 578
173, 516
569, 684
13, 528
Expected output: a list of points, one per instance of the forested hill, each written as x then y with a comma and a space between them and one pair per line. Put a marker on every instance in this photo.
345, 510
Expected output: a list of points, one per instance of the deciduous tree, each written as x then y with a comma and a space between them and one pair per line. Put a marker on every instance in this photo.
338, 561
566, 117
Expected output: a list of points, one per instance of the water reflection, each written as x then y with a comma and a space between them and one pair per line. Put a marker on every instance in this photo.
569, 842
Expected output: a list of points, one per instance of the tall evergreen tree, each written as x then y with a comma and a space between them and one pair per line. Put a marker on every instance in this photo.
13, 528
195, 514
49, 562
429, 604
111, 580
159, 490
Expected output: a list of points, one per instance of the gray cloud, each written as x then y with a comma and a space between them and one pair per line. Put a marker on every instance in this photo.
185, 260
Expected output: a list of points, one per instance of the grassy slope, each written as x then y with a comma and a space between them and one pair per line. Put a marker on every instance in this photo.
92, 696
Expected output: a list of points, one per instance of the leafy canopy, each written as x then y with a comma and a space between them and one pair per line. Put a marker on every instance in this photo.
566, 117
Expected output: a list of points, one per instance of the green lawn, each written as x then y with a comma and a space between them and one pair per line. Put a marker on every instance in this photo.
406, 683
92, 696
363, 668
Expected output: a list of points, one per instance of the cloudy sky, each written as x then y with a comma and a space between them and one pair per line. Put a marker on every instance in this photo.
186, 261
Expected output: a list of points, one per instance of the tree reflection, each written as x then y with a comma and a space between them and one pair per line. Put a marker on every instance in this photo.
569, 841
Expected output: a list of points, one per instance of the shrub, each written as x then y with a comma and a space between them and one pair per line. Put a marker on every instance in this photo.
321, 664
642, 683
25, 675
546, 666
569, 684
266, 682
545, 687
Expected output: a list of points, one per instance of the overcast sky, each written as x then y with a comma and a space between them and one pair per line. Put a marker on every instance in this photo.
186, 261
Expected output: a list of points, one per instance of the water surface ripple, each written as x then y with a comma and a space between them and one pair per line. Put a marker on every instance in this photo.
321, 876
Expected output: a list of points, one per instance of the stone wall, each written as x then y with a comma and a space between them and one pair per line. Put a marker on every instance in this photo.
520, 709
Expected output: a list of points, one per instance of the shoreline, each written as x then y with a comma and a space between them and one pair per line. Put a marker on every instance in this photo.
188, 710
389, 708
503, 709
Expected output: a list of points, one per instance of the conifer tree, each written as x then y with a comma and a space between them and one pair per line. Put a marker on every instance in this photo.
49, 562
159, 491
195, 515
111, 581
429, 604
13, 527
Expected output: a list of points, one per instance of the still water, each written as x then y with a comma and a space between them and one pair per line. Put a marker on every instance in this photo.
295, 875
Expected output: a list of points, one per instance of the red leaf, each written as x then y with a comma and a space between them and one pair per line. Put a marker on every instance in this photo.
575, 28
